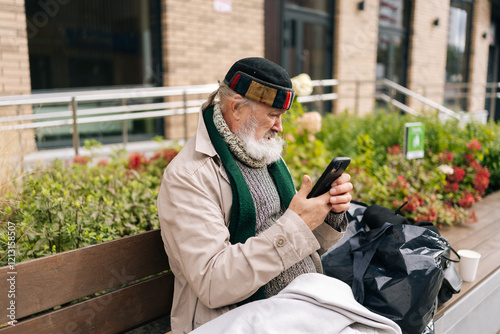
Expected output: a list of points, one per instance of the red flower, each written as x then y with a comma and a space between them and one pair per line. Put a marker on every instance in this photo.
103, 162
482, 181
429, 216
82, 160
402, 182
458, 174
452, 187
169, 154
136, 161
467, 200
413, 204
394, 150
445, 156
474, 145
469, 158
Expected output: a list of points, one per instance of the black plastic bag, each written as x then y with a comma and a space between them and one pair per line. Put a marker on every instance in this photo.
394, 269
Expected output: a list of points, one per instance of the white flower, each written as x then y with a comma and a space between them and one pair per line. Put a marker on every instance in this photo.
448, 170
310, 121
302, 84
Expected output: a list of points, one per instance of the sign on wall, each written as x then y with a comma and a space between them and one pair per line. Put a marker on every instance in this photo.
223, 6
414, 140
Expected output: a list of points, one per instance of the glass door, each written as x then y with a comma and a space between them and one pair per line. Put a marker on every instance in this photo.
307, 42
392, 51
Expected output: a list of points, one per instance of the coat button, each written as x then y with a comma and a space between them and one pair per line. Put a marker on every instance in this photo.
280, 242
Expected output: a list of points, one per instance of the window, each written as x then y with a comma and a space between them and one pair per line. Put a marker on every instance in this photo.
393, 40
94, 44
458, 50
307, 43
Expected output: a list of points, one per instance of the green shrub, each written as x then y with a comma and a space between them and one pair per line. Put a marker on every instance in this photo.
67, 205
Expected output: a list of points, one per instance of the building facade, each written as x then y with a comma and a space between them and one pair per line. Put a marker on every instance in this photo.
436, 48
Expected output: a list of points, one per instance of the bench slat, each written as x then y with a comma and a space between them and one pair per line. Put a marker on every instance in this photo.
110, 313
81, 272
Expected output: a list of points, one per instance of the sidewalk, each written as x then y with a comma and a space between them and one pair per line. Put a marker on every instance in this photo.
475, 308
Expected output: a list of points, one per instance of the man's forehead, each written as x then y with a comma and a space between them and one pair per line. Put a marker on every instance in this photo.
270, 110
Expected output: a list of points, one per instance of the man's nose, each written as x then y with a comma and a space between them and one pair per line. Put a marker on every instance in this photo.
277, 126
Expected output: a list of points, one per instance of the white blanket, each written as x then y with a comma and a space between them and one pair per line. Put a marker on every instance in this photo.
312, 303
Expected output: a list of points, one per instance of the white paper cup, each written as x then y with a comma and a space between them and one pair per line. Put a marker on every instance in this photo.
469, 261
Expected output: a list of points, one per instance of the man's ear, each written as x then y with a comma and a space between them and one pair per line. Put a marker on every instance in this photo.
233, 105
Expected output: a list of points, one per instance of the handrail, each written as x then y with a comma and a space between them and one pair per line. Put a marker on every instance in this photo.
101, 95
420, 98
397, 104
184, 103
74, 115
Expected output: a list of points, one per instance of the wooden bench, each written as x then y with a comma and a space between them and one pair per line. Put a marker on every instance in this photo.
130, 274
136, 287
476, 297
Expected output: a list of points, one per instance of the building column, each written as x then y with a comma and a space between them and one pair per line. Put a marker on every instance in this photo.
355, 55
14, 80
478, 73
427, 50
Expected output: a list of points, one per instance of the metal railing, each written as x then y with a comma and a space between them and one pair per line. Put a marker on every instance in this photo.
135, 103
186, 102
394, 87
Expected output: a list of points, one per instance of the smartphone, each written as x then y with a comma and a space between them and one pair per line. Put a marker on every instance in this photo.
336, 167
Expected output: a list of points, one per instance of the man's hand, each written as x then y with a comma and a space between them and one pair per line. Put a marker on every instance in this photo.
314, 210
340, 193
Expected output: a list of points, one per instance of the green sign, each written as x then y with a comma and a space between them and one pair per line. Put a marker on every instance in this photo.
414, 140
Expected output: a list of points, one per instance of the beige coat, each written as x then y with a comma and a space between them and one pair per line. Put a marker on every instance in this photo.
211, 275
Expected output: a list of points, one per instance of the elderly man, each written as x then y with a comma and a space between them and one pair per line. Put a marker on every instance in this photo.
234, 228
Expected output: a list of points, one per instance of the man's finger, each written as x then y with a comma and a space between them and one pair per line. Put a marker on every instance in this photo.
306, 186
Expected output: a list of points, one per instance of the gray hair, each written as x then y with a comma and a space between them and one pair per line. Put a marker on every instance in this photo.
225, 94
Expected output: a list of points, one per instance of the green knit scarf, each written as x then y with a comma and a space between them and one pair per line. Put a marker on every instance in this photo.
242, 222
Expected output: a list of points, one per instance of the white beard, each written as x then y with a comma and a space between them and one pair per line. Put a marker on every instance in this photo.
268, 149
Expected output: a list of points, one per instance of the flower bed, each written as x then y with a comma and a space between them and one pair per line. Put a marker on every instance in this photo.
66, 205
460, 166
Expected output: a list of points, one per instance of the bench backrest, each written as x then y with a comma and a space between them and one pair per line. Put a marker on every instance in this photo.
131, 274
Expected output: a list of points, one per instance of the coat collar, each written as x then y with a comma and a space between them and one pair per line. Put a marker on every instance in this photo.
203, 142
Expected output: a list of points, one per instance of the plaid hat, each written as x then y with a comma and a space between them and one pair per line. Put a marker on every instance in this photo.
261, 80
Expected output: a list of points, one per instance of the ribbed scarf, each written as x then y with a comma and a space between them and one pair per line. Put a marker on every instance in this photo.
242, 221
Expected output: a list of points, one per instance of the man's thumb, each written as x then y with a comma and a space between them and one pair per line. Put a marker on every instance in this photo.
306, 186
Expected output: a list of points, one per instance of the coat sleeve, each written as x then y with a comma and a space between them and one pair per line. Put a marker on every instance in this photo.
196, 238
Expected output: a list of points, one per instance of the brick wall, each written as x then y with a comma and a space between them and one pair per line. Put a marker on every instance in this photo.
479, 54
355, 54
14, 63
14, 80
427, 50
200, 44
